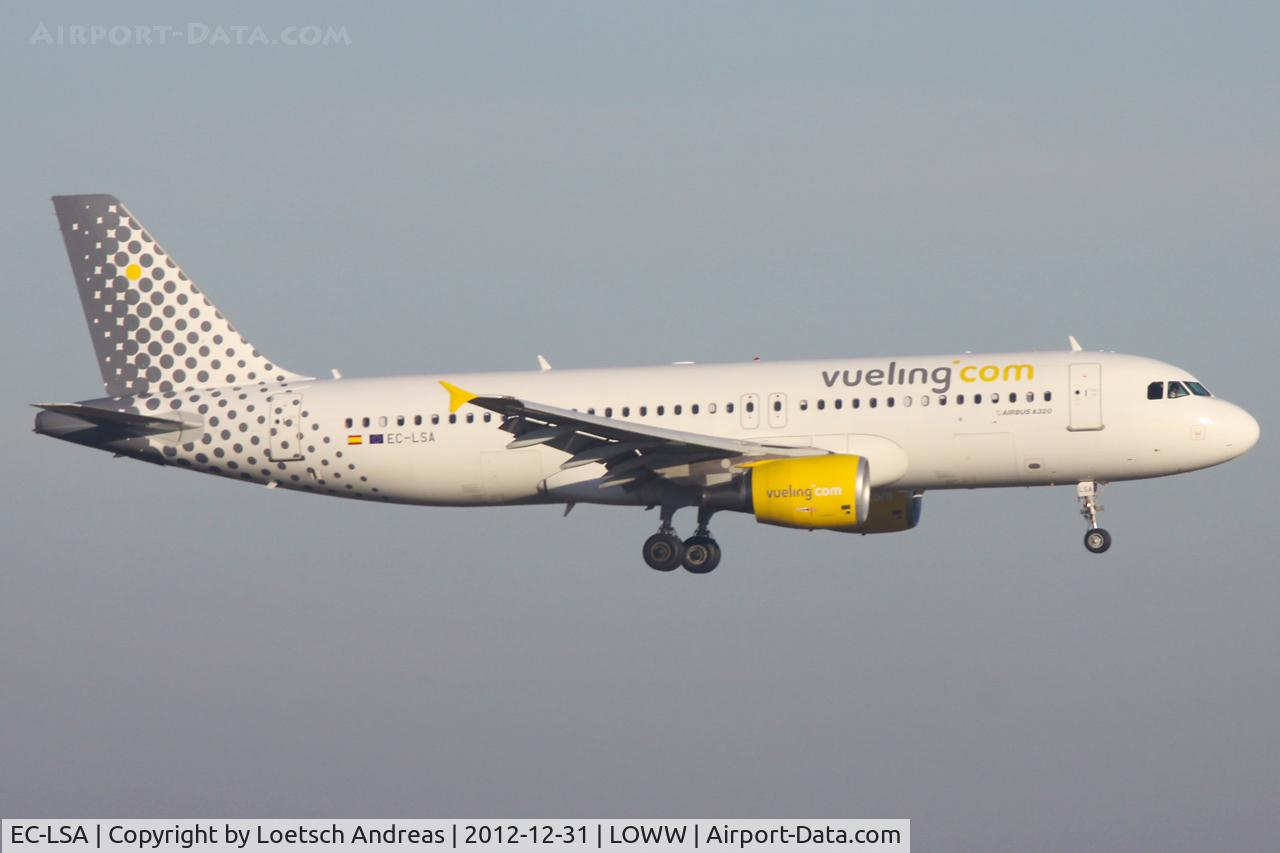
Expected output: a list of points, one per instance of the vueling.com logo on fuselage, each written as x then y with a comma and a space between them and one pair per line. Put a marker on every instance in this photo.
807, 492
940, 376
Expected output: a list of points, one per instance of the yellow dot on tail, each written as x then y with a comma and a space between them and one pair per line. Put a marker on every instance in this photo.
133, 272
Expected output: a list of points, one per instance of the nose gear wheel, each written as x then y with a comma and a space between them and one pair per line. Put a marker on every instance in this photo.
1096, 539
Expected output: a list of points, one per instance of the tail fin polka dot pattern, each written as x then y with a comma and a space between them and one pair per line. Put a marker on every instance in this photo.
153, 330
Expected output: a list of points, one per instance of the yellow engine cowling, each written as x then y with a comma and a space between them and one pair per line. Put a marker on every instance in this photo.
893, 512
812, 492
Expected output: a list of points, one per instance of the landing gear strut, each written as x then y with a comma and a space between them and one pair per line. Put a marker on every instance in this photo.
1096, 539
701, 552
665, 552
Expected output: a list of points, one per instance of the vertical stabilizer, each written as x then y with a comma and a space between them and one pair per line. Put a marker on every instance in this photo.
153, 330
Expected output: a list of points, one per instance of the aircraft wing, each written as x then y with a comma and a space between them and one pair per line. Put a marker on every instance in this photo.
630, 451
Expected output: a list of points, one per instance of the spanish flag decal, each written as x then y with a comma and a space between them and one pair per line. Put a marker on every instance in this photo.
354, 439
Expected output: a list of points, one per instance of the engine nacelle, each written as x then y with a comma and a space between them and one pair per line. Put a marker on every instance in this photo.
830, 492
893, 512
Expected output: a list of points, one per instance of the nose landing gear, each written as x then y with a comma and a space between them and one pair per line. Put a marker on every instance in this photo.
1096, 539
665, 552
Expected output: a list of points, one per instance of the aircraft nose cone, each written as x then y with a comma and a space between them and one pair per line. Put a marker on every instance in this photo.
1251, 432
1243, 432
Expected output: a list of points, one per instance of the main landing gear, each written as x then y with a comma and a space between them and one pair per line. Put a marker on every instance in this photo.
1096, 539
665, 552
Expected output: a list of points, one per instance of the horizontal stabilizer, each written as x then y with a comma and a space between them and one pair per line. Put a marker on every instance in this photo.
112, 418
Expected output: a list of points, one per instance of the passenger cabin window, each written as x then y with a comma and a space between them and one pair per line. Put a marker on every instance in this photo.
889, 402
626, 411
417, 420
382, 420
942, 399
822, 404
453, 419
435, 420
1048, 395
364, 421
693, 409
350, 423
644, 410
399, 420
804, 406
906, 401
661, 410
1177, 389
959, 399
1155, 391
711, 409
924, 399
751, 407
471, 418
857, 403
608, 411
873, 402
676, 409
728, 408
838, 403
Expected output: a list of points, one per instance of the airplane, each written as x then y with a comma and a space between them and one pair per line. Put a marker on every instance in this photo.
841, 444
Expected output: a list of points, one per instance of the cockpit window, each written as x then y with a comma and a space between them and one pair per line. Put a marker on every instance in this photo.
1198, 389
1177, 389
1155, 391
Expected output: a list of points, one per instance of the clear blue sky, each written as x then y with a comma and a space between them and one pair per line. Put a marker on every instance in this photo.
464, 186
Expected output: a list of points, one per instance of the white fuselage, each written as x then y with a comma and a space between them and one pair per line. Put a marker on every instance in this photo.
923, 422
833, 444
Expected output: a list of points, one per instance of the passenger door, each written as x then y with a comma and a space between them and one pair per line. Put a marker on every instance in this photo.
285, 444
1085, 392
